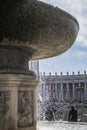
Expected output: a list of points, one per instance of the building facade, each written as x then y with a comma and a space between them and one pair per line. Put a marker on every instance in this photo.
65, 88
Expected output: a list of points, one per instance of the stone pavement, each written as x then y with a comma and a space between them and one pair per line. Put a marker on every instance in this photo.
62, 125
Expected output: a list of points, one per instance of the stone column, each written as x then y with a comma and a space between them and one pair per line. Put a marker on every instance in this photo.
85, 90
67, 92
62, 91
79, 91
50, 91
44, 88
46, 92
56, 91
73, 91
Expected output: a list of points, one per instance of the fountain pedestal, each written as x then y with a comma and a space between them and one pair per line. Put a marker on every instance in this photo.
17, 90
29, 29
17, 102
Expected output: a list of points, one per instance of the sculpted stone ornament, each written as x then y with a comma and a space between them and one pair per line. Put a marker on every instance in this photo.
4, 107
29, 29
25, 108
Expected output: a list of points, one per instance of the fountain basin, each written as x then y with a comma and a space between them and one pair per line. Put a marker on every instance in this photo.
45, 30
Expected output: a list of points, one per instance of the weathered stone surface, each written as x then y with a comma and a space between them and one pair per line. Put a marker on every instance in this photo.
17, 102
14, 58
4, 108
25, 109
46, 30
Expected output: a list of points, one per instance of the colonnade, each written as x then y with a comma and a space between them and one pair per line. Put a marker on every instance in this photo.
64, 90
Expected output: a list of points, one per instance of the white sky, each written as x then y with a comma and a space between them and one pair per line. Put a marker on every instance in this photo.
75, 59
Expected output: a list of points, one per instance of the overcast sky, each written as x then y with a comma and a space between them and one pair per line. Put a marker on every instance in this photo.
75, 59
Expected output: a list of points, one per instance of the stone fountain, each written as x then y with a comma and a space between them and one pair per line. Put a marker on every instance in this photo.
29, 29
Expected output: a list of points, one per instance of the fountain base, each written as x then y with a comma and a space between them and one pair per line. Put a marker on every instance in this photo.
17, 102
